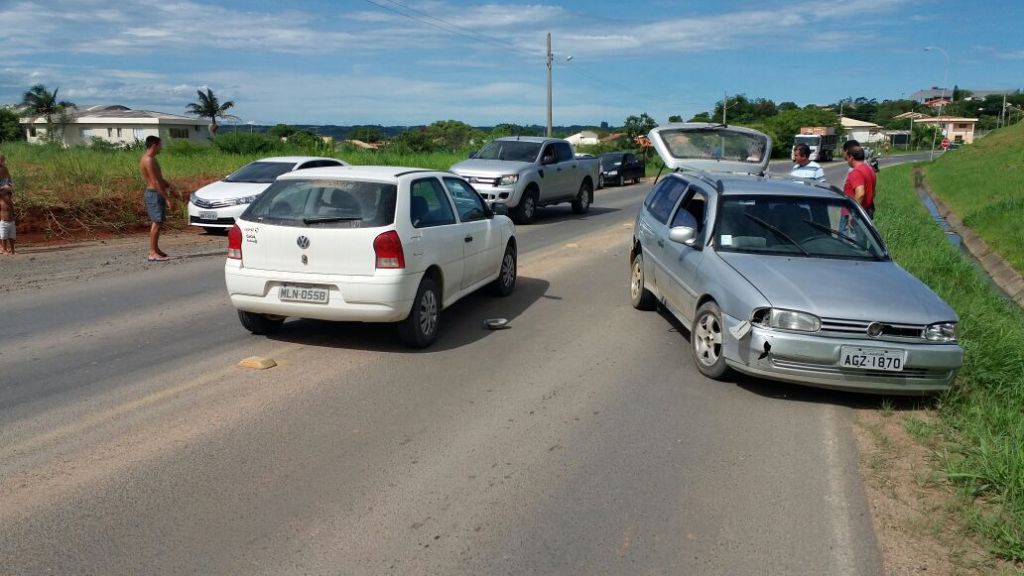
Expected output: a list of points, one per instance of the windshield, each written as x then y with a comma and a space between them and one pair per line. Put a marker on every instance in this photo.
513, 150
796, 226
715, 145
260, 172
325, 203
611, 159
809, 140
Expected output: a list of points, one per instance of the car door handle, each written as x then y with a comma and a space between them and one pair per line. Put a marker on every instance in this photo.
468, 238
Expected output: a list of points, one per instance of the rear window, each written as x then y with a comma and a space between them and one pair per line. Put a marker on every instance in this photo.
260, 172
325, 203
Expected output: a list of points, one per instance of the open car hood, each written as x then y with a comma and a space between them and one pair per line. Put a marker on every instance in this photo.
712, 148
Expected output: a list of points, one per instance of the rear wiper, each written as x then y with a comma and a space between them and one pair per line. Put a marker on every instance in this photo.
324, 219
777, 231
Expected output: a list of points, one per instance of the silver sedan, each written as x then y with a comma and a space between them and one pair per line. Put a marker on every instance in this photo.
780, 279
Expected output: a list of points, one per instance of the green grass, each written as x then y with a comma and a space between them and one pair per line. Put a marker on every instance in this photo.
982, 419
63, 192
984, 185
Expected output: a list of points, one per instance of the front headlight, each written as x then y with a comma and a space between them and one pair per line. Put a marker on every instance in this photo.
941, 332
245, 200
793, 320
613, 172
509, 179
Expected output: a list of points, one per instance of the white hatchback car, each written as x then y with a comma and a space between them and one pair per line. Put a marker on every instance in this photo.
367, 244
215, 207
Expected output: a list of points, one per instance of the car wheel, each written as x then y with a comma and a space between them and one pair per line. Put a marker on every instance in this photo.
622, 179
506, 281
706, 338
582, 202
526, 211
639, 295
260, 324
600, 181
419, 329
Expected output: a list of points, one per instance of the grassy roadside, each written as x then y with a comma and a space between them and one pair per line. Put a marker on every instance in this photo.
981, 427
984, 185
83, 191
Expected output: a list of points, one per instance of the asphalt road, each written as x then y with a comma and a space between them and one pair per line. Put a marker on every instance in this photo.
582, 440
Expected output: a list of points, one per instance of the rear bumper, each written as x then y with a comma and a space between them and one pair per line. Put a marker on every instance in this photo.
814, 360
383, 298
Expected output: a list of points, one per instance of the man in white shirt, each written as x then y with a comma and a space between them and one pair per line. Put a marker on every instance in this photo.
804, 168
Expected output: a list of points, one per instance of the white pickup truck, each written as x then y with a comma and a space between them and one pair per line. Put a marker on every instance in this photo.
525, 173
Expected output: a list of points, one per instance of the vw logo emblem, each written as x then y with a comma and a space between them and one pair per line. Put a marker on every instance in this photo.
303, 242
875, 329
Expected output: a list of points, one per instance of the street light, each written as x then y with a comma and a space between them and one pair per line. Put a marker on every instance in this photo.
942, 99
550, 58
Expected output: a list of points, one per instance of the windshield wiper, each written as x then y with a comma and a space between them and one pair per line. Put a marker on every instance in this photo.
324, 219
777, 231
838, 234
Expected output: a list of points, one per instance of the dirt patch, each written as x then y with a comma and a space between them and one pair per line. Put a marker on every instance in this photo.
50, 263
915, 512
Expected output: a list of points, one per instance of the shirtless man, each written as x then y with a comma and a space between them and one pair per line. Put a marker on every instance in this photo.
7, 230
158, 200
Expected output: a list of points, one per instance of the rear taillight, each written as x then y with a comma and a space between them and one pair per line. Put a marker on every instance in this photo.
388, 248
235, 243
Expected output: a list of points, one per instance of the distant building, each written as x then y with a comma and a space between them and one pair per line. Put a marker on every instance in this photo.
862, 131
116, 124
924, 96
955, 128
585, 138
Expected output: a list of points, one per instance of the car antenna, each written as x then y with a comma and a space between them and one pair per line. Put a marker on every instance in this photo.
658, 175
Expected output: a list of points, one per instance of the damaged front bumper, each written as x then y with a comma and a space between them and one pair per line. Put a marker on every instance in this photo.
814, 359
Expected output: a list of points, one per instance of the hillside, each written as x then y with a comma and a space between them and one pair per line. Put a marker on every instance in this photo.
983, 183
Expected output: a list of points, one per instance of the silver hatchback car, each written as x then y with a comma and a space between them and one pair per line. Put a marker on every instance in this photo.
781, 279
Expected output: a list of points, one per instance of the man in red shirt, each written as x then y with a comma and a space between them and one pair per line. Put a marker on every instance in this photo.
860, 182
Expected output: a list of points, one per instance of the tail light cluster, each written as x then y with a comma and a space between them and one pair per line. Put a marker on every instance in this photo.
388, 248
235, 243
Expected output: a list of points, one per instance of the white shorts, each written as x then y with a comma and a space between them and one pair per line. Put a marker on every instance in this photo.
7, 230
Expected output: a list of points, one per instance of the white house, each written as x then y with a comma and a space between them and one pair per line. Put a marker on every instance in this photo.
586, 138
955, 128
862, 131
118, 124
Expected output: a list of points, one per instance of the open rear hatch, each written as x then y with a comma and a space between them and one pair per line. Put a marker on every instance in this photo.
712, 148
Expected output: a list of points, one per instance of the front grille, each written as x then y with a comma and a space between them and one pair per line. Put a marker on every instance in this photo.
832, 370
489, 181
893, 330
199, 202
201, 222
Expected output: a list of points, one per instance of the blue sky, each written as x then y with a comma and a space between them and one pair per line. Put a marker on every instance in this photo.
405, 62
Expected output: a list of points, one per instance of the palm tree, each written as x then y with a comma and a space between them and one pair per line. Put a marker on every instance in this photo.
40, 102
209, 107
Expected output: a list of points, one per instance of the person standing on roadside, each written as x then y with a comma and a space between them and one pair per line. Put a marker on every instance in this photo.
157, 198
7, 224
860, 182
804, 168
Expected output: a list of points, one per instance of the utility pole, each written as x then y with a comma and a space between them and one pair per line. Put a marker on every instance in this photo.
1002, 113
549, 84
725, 106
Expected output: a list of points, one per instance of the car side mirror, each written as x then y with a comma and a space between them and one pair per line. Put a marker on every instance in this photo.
683, 235
499, 208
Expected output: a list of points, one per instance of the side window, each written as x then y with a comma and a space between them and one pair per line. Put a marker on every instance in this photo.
468, 203
564, 152
548, 157
428, 204
664, 200
691, 212
629, 159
